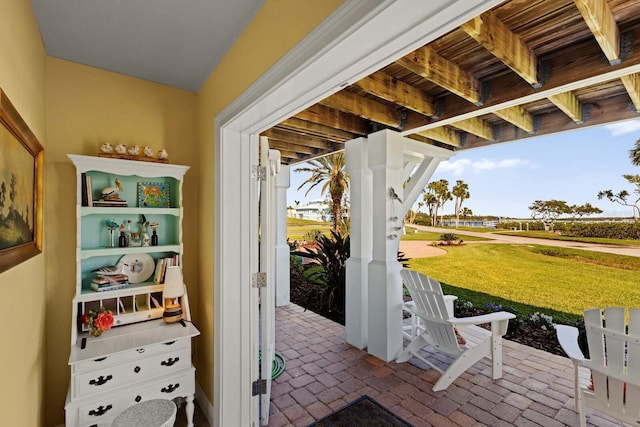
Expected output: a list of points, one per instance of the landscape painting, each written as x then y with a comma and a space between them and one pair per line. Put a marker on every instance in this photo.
21, 163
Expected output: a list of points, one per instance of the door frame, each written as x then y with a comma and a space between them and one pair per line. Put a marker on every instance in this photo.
352, 43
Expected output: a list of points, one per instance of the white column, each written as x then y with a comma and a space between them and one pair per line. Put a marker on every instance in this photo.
385, 284
282, 273
356, 306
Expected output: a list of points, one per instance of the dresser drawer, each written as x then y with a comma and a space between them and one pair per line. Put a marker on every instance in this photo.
102, 410
144, 368
130, 355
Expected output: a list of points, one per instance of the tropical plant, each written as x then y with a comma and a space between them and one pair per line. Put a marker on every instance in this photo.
549, 211
331, 255
586, 209
431, 201
448, 238
440, 189
330, 172
461, 193
634, 154
622, 197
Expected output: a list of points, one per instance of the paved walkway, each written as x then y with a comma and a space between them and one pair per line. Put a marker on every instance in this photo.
410, 246
323, 373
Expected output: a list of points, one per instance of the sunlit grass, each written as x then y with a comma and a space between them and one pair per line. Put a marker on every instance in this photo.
549, 278
553, 236
297, 228
434, 236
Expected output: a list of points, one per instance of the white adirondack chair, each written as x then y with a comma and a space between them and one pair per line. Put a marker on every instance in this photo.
438, 328
614, 362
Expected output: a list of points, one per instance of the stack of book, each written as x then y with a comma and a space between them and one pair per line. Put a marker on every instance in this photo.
109, 203
102, 283
161, 267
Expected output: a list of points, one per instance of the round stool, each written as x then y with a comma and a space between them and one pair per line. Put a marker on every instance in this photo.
151, 413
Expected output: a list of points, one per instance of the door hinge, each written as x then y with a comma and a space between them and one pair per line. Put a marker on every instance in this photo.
259, 173
259, 387
259, 280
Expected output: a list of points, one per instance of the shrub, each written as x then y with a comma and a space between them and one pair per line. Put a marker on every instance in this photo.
448, 238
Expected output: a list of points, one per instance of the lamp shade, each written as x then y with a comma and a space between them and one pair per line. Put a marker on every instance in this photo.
173, 283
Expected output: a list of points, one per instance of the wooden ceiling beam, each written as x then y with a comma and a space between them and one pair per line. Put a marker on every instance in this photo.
517, 116
336, 119
391, 89
475, 126
600, 20
428, 64
571, 70
349, 102
316, 129
278, 134
505, 45
569, 104
631, 83
443, 134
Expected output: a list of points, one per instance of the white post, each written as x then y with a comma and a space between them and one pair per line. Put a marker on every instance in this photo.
282, 273
360, 184
385, 284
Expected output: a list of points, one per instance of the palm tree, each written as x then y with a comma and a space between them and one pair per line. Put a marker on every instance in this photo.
461, 192
634, 154
329, 171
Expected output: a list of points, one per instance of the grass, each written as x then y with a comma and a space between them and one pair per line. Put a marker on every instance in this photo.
552, 236
557, 281
297, 228
432, 236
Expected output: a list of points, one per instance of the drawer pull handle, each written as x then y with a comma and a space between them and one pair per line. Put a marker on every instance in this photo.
170, 342
101, 380
170, 388
136, 369
170, 361
100, 411
140, 350
138, 398
100, 359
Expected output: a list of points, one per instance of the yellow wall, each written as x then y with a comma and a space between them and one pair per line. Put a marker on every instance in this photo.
72, 108
22, 318
275, 30
86, 106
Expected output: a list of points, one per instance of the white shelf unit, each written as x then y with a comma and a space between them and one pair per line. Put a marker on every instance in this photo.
137, 359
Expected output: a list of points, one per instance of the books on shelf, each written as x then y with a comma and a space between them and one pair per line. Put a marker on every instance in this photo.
103, 288
161, 267
102, 283
86, 191
109, 203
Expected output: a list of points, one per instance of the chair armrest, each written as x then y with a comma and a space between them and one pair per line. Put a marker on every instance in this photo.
568, 339
448, 300
484, 318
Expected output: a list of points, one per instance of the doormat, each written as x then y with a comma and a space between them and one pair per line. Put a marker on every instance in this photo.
363, 411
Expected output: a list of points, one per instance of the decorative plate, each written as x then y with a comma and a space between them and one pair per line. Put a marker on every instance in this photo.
153, 195
138, 267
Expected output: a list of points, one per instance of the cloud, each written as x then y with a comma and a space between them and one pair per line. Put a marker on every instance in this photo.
623, 128
458, 167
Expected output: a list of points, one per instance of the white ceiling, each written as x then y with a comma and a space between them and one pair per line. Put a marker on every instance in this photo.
173, 42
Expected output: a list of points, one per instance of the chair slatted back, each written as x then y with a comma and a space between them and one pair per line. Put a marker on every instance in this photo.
431, 307
614, 354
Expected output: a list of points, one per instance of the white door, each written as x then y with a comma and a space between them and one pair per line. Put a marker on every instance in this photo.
269, 165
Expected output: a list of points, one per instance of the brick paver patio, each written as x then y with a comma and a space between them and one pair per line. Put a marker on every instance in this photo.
324, 373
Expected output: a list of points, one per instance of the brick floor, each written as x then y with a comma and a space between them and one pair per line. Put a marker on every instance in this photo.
323, 373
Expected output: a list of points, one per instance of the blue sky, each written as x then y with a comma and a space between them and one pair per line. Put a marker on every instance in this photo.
505, 179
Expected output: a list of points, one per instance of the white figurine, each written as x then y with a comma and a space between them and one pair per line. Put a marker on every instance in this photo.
121, 149
147, 151
162, 154
111, 193
134, 150
106, 148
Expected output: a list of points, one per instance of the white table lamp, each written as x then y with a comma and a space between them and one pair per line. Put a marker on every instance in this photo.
173, 289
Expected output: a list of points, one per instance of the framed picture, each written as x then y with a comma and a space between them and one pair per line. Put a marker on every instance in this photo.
21, 187
153, 195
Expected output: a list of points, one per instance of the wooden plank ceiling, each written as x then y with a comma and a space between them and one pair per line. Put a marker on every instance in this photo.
526, 68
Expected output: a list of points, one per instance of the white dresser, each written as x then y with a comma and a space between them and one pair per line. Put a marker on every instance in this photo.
141, 357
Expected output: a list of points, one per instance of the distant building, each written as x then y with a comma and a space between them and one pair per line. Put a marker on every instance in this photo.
315, 210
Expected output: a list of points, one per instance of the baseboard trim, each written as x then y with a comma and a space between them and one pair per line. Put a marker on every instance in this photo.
205, 406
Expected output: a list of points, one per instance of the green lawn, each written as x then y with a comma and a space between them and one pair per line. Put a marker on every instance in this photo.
297, 228
552, 236
431, 236
557, 281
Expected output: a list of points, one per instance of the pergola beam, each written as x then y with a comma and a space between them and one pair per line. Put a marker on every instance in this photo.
336, 119
427, 63
391, 89
569, 104
631, 83
443, 134
475, 126
517, 116
505, 45
600, 20
316, 129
